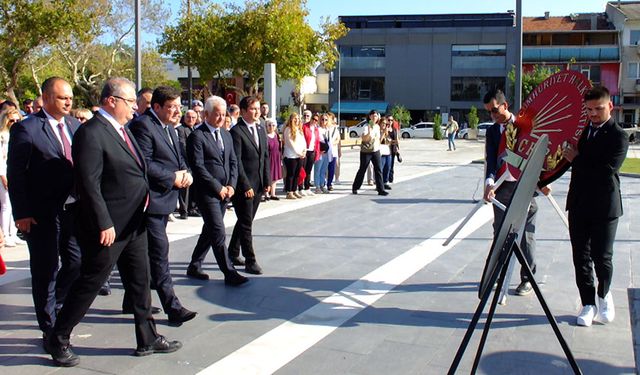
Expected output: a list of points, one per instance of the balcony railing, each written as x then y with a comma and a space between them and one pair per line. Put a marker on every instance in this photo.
362, 63
562, 54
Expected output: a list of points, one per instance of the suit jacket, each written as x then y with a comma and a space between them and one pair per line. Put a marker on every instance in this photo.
183, 133
112, 183
163, 159
253, 161
40, 176
212, 169
594, 190
491, 145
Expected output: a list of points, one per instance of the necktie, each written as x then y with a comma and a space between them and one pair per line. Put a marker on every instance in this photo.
255, 134
218, 138
66, 145
592, 132
168, 134
127, 140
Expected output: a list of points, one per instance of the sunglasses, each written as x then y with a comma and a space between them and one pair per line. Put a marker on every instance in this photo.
495, 110
81, 118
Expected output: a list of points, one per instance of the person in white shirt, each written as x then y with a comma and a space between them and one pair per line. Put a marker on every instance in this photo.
294, 151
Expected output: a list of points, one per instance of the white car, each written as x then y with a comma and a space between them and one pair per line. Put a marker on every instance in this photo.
356, 131
482, 130
420, 130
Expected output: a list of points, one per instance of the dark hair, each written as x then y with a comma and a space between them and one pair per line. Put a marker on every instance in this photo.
7, 103
144, 90
597, 93
496, 94
27, 101
163, 94
373, 111
48, 83
113, 87
247, 101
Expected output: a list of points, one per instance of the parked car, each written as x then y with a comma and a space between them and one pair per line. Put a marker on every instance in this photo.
630, 129
482, 130
420, 130
355, 131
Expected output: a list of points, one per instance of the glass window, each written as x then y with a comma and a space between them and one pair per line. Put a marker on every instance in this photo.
362, 51
474, 88
484, 56
634, 37
632, 70
362, 88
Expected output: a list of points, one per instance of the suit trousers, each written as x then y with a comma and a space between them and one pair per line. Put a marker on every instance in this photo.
213, 235
365, 159
52, 241
183, 201
242, 235
130, 253
592, 246
159, 263
528, 241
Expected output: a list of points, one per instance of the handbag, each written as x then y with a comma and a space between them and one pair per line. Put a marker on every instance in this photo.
366, 145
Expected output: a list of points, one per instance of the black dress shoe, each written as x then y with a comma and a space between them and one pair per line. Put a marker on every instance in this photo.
253, 268
154, 310
161, 345
387, 187
183, 216
383, 193
181, 316
45, 344
62, 355
354, 191
235, 279
274, 198
105, 290
194, 214
237, 261
197, 274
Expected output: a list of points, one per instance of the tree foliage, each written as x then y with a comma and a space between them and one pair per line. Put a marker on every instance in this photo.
531, 79
239, 40
401, 114
473, 117
437, 128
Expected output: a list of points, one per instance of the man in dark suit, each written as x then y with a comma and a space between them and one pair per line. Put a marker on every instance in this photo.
496, 104
595, 204
250, 145
167, 173
186, 198
215, 169
113, 194
40, 175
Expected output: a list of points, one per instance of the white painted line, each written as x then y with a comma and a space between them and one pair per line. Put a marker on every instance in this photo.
281, 345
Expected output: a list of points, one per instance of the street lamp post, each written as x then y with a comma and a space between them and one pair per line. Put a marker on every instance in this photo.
138, 48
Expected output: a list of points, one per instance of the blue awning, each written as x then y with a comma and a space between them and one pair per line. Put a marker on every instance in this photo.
360, 107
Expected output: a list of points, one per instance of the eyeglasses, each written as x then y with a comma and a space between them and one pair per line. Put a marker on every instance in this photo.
306, 116
128, 101
495, 110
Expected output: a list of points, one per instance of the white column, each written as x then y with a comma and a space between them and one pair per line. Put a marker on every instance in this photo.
270, 88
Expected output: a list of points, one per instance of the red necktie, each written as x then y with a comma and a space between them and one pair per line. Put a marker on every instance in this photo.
129, 144
66, 145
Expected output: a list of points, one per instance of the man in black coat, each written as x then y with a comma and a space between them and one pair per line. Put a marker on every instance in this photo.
594, 203
40, 175
250, 145
186, 199
167, 173
113, 194
496, 104
215, 169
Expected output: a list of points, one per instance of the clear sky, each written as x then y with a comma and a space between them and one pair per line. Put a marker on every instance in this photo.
531, 8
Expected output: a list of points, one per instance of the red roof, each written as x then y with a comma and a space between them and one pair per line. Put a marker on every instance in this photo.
566, 23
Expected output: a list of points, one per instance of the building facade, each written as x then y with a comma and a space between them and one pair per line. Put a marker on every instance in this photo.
428, 63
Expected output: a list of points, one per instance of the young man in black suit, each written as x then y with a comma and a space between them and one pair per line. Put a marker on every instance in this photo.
167, 173
250, 145
496, 104
113, 194
595, 204
215, 170
40, 175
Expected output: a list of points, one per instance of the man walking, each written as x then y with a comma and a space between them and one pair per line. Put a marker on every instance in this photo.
250, 145
40, 171
113, 191
595, 204
167, 173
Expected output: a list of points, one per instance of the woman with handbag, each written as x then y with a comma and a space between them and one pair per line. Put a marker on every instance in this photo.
370, 153
385, 151
293, 153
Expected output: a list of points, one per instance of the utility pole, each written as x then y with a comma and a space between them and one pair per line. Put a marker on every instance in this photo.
138, 47
517, 102
189, 74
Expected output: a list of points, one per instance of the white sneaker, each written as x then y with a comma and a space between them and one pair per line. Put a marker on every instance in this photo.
309, 192
606, 310
586, 316
298, 194
18, 241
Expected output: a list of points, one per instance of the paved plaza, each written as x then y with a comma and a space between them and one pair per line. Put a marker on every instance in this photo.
358, 284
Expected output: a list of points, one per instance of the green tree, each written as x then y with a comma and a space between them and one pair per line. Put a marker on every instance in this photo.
473, 118
401, 114
531, 79
239, 40
28, 25
437, 128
